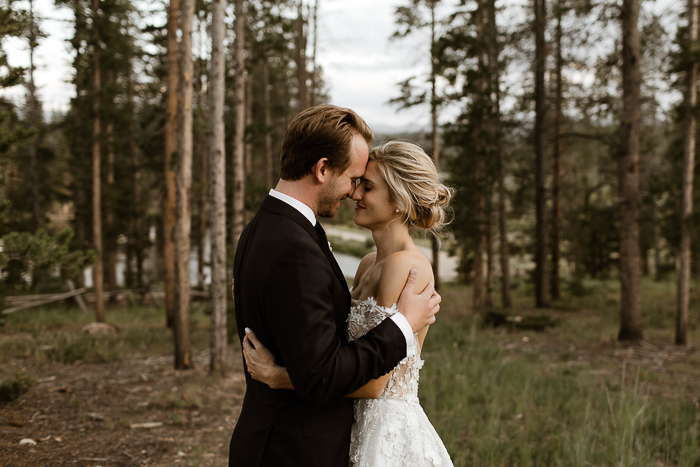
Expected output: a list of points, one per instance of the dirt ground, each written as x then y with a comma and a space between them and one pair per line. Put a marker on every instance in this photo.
89, 415
93, 414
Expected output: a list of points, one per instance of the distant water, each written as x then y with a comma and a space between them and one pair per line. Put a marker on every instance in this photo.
348, 264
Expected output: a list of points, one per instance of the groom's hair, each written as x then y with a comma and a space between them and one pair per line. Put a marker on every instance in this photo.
318, 132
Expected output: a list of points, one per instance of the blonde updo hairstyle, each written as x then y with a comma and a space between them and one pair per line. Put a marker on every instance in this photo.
414, 186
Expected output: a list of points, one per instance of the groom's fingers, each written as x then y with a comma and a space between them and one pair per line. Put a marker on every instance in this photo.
429, 290
410, 283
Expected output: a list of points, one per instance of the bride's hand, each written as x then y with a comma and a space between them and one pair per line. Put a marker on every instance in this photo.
261, 363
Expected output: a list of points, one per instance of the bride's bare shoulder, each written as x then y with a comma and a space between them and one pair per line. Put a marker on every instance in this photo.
395, 273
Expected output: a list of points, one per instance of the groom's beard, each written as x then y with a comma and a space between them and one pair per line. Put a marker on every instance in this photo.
328, 202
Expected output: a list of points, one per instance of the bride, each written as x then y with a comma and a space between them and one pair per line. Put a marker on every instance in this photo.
400, 189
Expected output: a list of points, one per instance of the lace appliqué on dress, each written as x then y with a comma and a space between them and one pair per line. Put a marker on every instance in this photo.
392, 430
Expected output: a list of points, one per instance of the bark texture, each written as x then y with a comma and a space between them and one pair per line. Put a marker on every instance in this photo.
628, 176
97, 270
169, 202
183, 348
691, 101
217, 192
239, 131
541, 285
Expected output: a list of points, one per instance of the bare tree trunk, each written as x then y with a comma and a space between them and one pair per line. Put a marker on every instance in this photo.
691, 101
217, 192
111, 241
135, 238
183, 348
495, 79
503, 234
269, 166
478, 289
489, 250
628, 173
202, 210
434, 240
33, 166
314, 71
98, 276
541, 282
248, 124
657, 242
239, 131
301, 58
556, 179
169, 202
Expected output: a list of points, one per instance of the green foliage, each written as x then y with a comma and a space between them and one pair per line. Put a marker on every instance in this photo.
14, 388
23, 253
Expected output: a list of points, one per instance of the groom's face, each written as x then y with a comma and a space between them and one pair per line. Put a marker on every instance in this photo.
341, 186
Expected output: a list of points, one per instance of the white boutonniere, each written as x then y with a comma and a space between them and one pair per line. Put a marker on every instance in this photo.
329, 246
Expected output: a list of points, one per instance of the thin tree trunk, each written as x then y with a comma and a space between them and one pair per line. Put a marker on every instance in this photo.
691, 101
33, 166
494, 76
248, 124
556, 179
202, 210
503, 233
541, 282
169, 202
111, 272
301, 58
183, 348
657, 242
478, 289
489, 250
269, 166
314, 71
135, 238
628, 173
217, 192
98, 276
434, 240
239, 131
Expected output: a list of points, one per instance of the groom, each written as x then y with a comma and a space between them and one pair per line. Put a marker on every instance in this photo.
291, 292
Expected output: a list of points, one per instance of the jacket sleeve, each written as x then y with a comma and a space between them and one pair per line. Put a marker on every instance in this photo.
299, 306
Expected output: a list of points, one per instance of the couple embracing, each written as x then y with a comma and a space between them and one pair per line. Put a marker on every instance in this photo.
332, 373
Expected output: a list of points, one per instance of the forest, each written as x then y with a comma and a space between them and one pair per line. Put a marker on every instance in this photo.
570, 270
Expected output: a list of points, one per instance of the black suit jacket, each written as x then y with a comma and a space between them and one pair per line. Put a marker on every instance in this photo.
292, 293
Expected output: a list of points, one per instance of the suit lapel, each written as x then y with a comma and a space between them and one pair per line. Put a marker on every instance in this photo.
272, 204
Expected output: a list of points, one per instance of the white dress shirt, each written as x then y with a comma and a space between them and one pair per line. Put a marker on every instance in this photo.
399, 319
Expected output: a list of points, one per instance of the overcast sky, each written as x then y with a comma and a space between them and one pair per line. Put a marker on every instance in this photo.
361, 64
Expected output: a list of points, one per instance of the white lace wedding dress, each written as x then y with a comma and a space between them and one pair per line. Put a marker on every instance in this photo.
392, 430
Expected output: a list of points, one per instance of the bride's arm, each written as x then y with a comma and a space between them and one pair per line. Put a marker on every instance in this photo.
261, 364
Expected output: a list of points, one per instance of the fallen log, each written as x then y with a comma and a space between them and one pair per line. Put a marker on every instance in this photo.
51, 299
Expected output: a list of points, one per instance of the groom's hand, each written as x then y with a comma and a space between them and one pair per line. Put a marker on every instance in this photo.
419, 309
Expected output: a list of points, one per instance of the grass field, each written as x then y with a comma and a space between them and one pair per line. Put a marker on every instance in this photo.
567, 396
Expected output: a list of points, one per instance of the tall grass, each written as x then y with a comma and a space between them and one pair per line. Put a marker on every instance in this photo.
494, 407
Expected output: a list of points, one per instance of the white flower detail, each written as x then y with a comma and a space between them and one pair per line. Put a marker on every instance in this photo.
329, 246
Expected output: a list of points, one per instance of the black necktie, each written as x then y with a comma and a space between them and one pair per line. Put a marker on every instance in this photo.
321, 235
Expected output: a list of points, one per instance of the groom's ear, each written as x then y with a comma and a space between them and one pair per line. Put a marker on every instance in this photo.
321, 170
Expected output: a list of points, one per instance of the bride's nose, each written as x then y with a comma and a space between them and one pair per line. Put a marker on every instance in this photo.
356, 194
